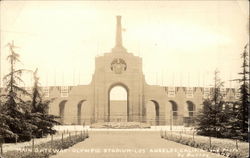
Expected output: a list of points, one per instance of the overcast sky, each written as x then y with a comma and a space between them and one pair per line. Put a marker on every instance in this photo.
181, 43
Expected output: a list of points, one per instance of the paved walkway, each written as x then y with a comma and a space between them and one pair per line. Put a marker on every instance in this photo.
129, 144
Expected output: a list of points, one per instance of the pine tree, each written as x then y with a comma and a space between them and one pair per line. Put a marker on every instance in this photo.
242, 105
13, 106
5, 131
233, 129
244, 90
212, 118
39, 111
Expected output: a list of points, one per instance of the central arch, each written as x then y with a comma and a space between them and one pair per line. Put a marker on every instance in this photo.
114, 113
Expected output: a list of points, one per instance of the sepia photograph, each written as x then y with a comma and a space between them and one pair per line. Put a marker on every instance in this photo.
124, 79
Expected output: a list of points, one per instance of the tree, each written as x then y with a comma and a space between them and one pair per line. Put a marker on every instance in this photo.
13, 107
39, 111
5, 130
242, 105
212, 118
233, 129
244, 90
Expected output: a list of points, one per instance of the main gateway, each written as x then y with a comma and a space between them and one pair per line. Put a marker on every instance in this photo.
87, 104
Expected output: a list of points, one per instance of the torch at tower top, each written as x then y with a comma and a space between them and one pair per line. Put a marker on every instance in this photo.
118, 43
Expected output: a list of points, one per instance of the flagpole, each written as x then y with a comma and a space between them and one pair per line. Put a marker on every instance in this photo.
0, 66
55, 77
0, 69
74, 76
161, 77
79, 78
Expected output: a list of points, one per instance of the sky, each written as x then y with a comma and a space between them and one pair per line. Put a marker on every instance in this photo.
181, 43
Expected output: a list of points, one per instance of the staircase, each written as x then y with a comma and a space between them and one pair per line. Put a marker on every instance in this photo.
120, 125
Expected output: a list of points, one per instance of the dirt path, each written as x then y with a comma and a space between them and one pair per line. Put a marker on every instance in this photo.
128, 144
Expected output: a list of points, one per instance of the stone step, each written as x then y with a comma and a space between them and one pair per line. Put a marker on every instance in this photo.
120, 125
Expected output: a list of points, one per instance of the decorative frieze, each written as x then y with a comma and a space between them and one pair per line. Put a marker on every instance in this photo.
64, 91
171, 92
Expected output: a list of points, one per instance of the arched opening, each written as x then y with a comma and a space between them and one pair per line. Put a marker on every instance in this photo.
84, 113
79, 113
191, 109
175, 118
174, 108
189, 121
62, 110
152, 112
118, 110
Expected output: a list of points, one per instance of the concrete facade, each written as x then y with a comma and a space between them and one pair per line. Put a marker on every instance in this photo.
86, 104
91, 103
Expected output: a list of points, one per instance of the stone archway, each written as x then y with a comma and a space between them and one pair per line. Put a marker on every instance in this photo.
175, 117
62, 110
191, 108
174, 108
152, 112
84, 112
79, 112
189, 121
114, 113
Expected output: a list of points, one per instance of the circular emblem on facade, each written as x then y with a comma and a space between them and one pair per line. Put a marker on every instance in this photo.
118, 65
